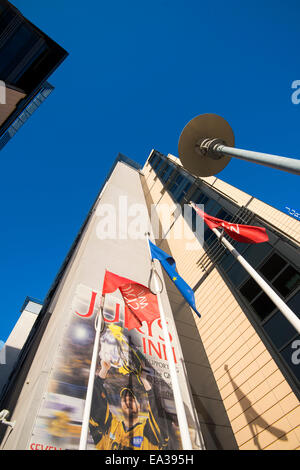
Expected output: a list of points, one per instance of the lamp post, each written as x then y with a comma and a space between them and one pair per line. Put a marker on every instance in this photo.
206, 146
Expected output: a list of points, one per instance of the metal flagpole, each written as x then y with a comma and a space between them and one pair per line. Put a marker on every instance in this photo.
280, 304
179, 405
90, 388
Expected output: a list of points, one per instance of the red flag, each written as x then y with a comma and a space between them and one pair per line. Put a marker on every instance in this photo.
240, 233
140, 303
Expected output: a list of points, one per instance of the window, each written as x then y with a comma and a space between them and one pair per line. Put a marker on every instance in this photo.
250, 290
176, 183
278, 328
165, 173
287, 281
274, 264
211, 207
263, 306
237, 274
153, 158
157, 163
256, 253
15, 49
184, 192
284, 278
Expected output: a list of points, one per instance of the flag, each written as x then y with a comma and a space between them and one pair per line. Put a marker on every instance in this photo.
240, 233
169, 265
140, 303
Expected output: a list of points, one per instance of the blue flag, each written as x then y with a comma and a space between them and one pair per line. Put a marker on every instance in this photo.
169, 265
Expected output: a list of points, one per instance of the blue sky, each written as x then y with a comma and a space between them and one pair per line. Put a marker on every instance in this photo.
137, 73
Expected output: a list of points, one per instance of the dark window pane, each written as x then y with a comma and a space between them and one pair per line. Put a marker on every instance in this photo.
210, 238
15, 48
250, 290
226, 260
222, 214
279, 329
202, 199
211, 207
184, 191
152, 158
263, 305
156, 162
237, 274
164, 172
256, 253
197, 196
159, 164
291, 354
174, 186
272, 266
288, 280
294, 304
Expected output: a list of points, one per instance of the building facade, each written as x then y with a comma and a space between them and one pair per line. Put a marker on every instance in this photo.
252, 350
27, 59
17, 338
238, 364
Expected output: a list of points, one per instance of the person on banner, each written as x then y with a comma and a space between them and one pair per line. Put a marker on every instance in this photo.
111, 433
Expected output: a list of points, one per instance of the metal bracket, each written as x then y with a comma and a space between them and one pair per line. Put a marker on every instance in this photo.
209, 147
222, 235
3, 415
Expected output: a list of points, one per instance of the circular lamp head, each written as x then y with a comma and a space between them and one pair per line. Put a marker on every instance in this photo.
209, 126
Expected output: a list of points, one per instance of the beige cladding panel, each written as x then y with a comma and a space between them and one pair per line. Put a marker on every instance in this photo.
278, 219
239, 196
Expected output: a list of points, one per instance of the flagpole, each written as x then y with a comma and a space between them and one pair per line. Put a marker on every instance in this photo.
179, 404
280, 304
90, 388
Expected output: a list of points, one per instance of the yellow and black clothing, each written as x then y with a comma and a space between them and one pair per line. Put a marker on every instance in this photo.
109, 433
59, 424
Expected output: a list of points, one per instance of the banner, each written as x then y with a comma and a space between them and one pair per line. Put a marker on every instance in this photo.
133, 405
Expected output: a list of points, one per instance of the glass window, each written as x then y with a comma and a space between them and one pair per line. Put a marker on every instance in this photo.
211, 207
184, 192
176, 183
197, 194
15, 49
203, 199
250, 290
256, 253
287, 281
222, 214
164, 169
263, 306
152, 158
237, 274
210, 238
279, 329
294, 304
157, 162
226, 260
272, 266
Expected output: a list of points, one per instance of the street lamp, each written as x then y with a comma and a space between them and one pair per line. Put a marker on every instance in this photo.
206, 146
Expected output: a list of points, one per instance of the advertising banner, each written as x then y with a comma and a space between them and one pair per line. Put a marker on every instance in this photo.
132, 406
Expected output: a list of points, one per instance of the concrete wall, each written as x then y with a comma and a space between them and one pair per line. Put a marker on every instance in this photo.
126, 257
15, 343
